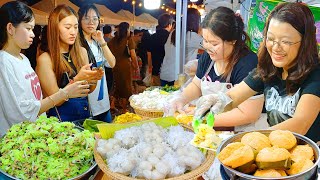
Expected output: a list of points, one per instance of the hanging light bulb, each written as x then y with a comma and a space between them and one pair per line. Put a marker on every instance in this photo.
162, 7
152, 4
167, 9
133, 2
125, 0
174, 0
140, 4
201, 11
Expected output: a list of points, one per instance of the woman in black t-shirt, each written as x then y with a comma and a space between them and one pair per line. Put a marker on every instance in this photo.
227, 61
288, 73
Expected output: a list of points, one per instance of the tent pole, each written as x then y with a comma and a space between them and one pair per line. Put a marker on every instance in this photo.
178, 34
183, 35
134, 13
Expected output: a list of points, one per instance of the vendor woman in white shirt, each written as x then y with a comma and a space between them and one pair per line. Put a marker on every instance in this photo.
20, 91
226, 62
98, 52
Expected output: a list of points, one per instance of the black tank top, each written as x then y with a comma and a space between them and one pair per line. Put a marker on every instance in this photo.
65, 76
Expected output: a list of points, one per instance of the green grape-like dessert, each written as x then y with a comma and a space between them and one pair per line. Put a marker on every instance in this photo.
46, 149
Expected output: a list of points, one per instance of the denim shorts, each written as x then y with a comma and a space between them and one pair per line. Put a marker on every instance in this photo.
72, 110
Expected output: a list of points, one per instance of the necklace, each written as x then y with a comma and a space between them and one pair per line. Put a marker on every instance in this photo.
67, 57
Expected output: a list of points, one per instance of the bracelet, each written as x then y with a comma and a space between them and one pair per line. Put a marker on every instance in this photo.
54, 104
103, 44
65, 93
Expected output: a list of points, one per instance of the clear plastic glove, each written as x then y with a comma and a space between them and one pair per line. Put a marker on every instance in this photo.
176, 104
215, 102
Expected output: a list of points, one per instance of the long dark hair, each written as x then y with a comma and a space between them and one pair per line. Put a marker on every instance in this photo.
229, 26
300, 17
122, 32
81, 13
193, 23
14, 12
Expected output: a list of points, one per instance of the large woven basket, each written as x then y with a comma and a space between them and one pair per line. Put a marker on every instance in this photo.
150, 113
192, 175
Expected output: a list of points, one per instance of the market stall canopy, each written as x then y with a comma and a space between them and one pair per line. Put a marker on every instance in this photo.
41, 17
109, 17
149, 18
212, 4
138, 22
49, 5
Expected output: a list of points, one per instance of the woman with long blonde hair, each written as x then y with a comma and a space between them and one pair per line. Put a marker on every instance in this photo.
64, 63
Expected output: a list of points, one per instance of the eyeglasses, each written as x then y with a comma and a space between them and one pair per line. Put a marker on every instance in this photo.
283, 44
94, 20
209, 50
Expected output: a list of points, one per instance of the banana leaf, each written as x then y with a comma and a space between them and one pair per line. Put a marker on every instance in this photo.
107, 130
91, 125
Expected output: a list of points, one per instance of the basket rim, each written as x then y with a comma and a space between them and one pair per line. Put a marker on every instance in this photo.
194, 174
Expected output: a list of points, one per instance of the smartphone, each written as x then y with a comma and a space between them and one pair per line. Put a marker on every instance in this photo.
93, 66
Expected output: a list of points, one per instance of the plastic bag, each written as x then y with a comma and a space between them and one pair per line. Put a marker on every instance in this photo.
148, 79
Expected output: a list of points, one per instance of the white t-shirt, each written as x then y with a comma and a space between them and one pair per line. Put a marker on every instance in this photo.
20, 91
103, 105
193, 41
168, 67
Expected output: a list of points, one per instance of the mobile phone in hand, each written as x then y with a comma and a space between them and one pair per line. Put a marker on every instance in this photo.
93, 66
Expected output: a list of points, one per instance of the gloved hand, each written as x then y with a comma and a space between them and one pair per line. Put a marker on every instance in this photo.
215, 102
176, 104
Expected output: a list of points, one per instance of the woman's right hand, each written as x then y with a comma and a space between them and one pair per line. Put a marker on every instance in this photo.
77, 89
176, 104
87, 74
215, 102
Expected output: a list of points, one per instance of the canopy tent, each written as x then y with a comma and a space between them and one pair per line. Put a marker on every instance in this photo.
41, 17
212, 4
49, 5
109, 17
137, 22
149, 18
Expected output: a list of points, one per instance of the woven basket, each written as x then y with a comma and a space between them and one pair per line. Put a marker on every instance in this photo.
192, 175
150, 113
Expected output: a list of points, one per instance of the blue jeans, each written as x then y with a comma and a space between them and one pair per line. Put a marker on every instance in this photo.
72, 110
105, 117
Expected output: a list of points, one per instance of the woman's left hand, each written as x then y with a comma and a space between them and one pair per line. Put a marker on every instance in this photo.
98, 36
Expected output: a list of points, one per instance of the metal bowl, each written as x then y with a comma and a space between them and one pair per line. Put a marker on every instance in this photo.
301, 140
90, 171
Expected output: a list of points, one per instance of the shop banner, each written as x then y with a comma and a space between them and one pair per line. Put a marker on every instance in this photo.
259, 16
